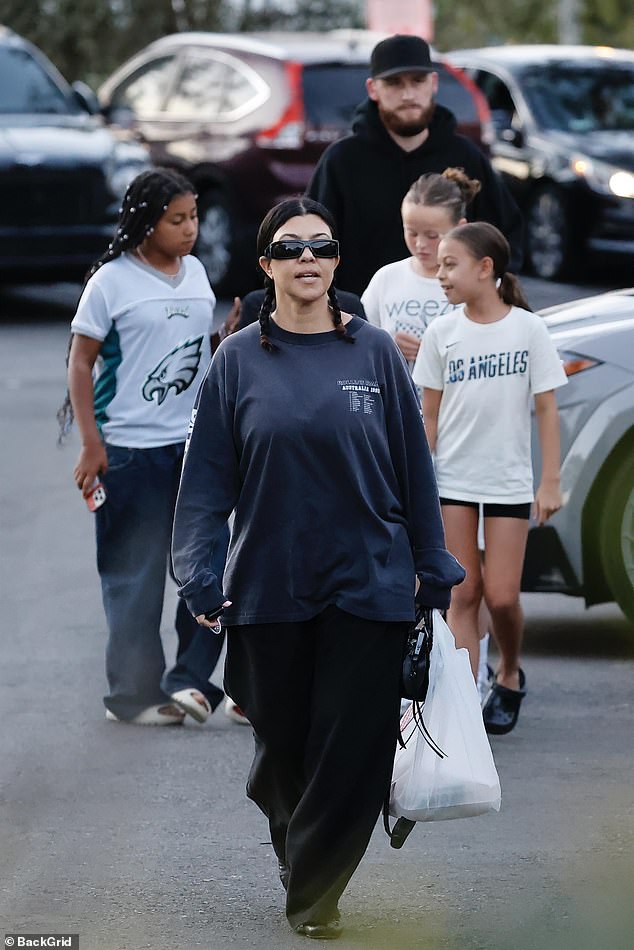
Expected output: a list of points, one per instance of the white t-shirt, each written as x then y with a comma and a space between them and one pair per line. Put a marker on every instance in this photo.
155, 331
400, 300
488, 374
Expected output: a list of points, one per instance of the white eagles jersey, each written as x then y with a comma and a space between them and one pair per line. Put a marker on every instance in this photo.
155, 350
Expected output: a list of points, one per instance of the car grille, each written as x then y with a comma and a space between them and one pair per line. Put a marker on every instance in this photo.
44, 197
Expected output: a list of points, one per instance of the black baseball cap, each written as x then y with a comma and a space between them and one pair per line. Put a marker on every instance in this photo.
400, 54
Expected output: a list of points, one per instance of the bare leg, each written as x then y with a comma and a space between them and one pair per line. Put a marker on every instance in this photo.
484, 620
461, 532
505, 547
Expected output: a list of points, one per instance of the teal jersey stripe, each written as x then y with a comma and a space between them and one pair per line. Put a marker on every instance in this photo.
106, 385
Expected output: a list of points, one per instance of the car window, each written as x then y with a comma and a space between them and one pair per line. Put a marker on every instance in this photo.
499, 99
26, 87
496, 93
145, 90
332, 92
455, 96
216, 87
581, 98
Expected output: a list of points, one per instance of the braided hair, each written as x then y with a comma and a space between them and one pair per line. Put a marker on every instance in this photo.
144, 204
273, 221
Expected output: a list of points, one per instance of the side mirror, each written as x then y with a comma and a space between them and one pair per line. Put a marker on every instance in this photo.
86, 97
121, 116
502, 122
513, 137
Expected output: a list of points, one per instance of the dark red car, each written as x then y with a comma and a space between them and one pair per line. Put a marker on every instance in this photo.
246, 118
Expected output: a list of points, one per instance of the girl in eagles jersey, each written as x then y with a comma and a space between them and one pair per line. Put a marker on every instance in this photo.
144, 323
404, 297
482, 368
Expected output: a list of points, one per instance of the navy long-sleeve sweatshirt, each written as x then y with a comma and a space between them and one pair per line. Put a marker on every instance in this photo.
320, 449
363, 178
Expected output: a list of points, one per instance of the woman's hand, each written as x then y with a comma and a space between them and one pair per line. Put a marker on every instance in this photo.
92, 462
214, 625
408, 344
547, 500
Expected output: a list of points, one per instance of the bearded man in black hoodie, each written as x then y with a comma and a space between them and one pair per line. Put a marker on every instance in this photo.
398, 134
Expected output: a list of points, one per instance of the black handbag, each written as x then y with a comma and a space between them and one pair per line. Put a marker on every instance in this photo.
414, 686
417, 659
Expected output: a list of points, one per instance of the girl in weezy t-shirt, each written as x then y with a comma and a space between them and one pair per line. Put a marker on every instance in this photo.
481, 368
405, 296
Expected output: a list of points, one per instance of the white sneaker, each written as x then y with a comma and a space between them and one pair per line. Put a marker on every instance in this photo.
233, 712
164, 715
192, 701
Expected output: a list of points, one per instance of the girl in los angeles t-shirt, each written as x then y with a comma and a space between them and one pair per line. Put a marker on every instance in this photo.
480, 369
404, 297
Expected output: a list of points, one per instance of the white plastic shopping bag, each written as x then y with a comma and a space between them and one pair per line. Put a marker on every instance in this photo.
465, 782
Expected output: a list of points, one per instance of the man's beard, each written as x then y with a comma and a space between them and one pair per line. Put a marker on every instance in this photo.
394, 123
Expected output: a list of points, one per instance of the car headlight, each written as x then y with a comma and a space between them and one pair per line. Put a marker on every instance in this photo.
607, 179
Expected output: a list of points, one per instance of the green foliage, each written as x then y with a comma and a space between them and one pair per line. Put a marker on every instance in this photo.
609, 23
308, 15
462, 24
88, 39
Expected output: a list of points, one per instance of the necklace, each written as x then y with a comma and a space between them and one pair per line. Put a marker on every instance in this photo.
139, 253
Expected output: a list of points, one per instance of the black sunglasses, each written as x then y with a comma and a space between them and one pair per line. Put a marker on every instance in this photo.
293, 247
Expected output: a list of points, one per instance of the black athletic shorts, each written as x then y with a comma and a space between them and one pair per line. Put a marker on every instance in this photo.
490, 510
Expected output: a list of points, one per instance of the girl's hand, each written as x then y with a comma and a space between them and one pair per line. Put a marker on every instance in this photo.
547, 501
408, 344
92, 462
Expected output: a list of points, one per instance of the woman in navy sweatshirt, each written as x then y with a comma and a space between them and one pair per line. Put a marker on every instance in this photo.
308, 426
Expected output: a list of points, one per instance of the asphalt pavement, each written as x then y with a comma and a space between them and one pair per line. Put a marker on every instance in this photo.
143, 838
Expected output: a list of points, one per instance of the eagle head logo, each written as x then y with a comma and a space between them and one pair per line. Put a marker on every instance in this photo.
175, 371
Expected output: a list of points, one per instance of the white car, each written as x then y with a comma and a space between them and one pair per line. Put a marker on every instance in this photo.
587, 548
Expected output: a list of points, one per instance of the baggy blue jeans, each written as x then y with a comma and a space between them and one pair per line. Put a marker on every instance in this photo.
133, 530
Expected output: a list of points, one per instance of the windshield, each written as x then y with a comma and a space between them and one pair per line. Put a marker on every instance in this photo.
26, 88
581, 97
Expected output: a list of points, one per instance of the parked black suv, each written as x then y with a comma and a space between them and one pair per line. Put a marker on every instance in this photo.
564, 142
62, 172
247, 116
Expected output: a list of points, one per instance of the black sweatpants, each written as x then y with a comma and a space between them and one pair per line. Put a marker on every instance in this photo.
322, 696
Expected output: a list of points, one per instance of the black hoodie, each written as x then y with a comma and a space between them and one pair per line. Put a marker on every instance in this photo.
363, 178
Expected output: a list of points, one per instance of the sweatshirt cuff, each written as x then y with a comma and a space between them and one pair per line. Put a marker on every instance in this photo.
202, 593
438, 571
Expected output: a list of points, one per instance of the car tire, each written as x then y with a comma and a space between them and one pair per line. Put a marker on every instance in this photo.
616, 536
548, 243
216, 239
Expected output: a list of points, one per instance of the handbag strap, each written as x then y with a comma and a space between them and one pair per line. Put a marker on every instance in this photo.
402, 826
